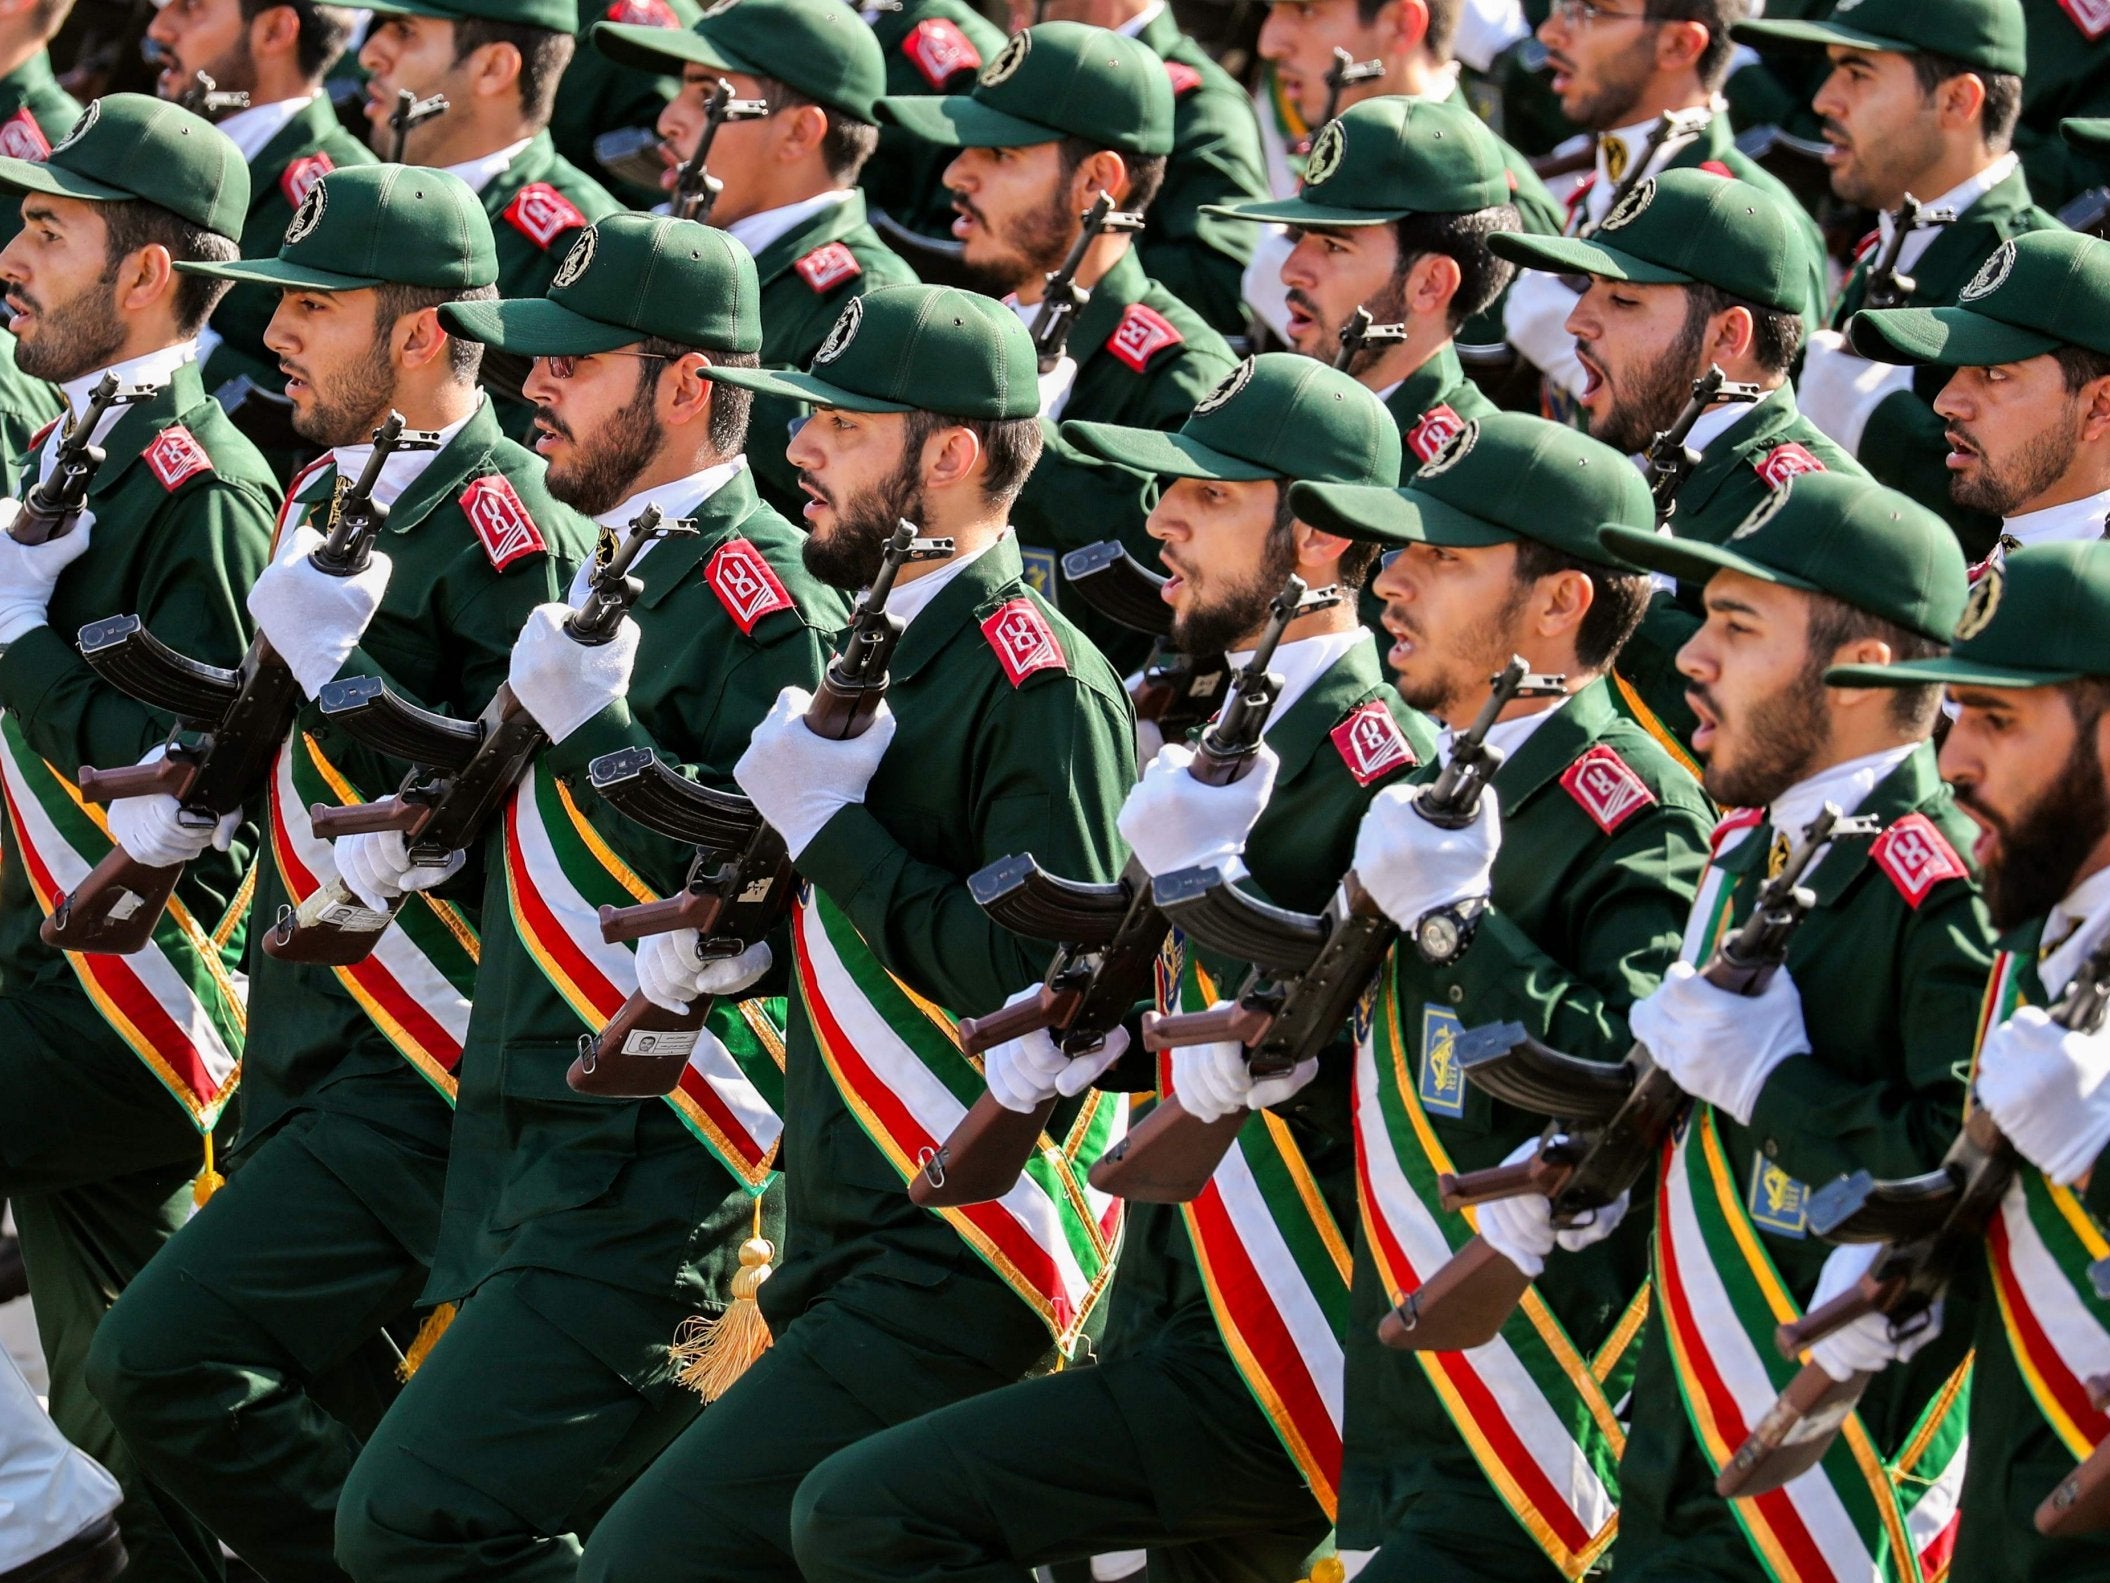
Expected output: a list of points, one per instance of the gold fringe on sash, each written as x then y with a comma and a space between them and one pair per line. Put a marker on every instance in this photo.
208, 1181
710, 1354
428, 1337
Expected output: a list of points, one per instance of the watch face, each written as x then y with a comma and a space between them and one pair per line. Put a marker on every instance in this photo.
1439, 936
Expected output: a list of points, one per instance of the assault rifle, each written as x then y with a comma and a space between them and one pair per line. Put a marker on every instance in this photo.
203, 97
1110, 934
1345, 72
1062, 299
695, 188
1669, 460
1360, 331
1309, 970
230, 726
1887, 286
1931, 1226
461, 772
1175, 692
1611, 1118
1671, 125
54, 505
740, 881
410, 112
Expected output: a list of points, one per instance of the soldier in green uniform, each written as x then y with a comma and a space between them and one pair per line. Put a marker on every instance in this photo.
1002, 731
289, 132
1065, 113
27, 408
250, 1365
499, 63
2066, 74
600, 95
1179, 1440
1849, 1058
116, 1065
580, 1234
931, 47
34, 110
1921, 101
791, 196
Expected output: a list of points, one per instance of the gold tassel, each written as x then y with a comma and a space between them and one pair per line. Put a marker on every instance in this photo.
710, 1354
428, 1337
1328, 1569
208, 1181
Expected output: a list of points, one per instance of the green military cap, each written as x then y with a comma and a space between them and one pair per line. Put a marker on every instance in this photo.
1827, 533
914, 349
369, 225
822, 48
2038, 617
1385, 159
559, 16
627, 277
2039, 292
2088, 133
128, 146
1061, 79
1277, 415
1680, 228
1501, 478
1987, 35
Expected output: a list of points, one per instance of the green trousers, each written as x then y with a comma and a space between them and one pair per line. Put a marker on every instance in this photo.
528, 1418
246, 1365
97, 1158
1458, 1536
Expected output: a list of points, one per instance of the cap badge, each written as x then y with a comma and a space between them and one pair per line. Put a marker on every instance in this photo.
1006, 65
1231, 385
577, 259
1766, 511
1984, 600
1629, 208
1992, 274
1454, 451
308, 215
844, 332
1325, 156
79, 129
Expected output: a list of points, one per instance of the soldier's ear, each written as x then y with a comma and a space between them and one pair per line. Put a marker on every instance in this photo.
274, 30
1102, 170
952, 456
2095, 410
1408, 26
1432, 283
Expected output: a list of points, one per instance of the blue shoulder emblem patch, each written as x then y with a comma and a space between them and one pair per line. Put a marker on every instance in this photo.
1442, 1085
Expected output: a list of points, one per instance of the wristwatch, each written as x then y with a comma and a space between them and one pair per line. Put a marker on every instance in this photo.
1442, 933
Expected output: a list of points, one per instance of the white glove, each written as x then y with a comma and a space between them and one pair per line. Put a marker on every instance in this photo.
1026, 1073
1172, 821
1840, 389
1261, 282
1720, 1047
564, 683
1411, 866
1865, 1346
1212, 1081
671, 974
29, 572
799, 781
148, 827
1535, 322
315, 620
376, 865
1522, 1229
1055, 387
2045, 1087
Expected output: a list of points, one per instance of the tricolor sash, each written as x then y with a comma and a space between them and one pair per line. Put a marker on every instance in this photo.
896, 1060
179, 1002
559, 874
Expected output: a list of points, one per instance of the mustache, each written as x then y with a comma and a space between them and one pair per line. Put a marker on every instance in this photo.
556, 425
808, 482
23, 302
1297, 298
1966, 800
1960, 439
1701, 698
966, 206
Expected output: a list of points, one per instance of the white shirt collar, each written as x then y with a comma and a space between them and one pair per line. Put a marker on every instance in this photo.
1957, 199
480, 172
677, 498
1134, 26
1716, 422
155, 368
1508, 735
1598, 200
910, 600
2074, 522
1302, 663
251, 129
758, 231
2082, 918
403, 468
1846, 785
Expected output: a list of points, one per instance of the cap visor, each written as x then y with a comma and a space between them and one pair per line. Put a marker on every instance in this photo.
1686, 560
959, 121
795, 386
2087, 132
1816, 35
1949, 671
1374, 514
1569, 255
28, 175
1947, 337
409, 8
1155, 451
660, 49
534, 327
1297, 211
277, 272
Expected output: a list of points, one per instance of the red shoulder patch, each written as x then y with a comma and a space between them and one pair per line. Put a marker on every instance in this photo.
303, 173
22, 138
745, 583
1715, 167
1784, 463
1371, 744
175, 456
1023, 640
1736, 819
501, 520
643, 13
1917, 857
1607, 787
542, 214
940, 51
2092, 17
1437, 428
828, 266
1142, 334
1185, 79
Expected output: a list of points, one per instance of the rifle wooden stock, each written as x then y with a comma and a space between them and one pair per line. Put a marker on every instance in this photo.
113, 911
1469, 1188
1180, 1030
1168, 1156
979, 1035
332, 928
2080, 1504
134, 780
982, 1157
1866, 1296
366, 818
1794, 1434
642, 1052
687, 910
1463, 1305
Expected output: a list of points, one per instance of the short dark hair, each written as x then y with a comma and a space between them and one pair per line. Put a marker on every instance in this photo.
132, 223
1613, 616
1012, 446
1461, 238
2081, 365
392, 300
732, 406
847, 143
1834, 623
1146, 172
325, 30
1717, 16
544, 53
1357, 562
1776, 333
1443, 23
2003, 93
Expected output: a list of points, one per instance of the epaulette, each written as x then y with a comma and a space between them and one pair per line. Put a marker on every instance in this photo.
940, 51
2092, 17
1185, 79
745, 583
1023, 640
176, 456
542, 214
1142, 333
1436, 429
1734, 820
1607, 787
500, 519
643, 13
22, 138
303, 173
1784, 463
1371, 744
828, 266
1917, 857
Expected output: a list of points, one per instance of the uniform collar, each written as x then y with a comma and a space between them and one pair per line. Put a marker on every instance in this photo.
1552, 740
939, 607
1914, 782
826, 222
1410, 399
2076, 923
480, 172
909, 600
402, 468
1716, 422
1134, 26
1958, 199
252, 130
465, 450
1302, 663
1631, 141
1847, 785
1118, 289
156, 368
2074, 522
1737, 432
758, 231
677, 499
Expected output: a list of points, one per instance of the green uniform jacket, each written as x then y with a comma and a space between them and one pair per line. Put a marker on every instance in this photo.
978, 769
1583, 924
181, 558
34, 111
600, 96
1440, 382
1540, 211
2068, 75
1144, 358
932, 46
1890, 998
1902, 445
442, 638
541, 1177
806, 282
27, 406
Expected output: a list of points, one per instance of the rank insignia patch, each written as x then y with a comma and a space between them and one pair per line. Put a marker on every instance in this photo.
1437, 428
1778, 1203
940, 51
1371, 744
1916, 857
828, 266
744, 583
1442, 1084
1607, 787
1023, 640
1142, 333
1785, 463
175, 456
501, 520
22, 138
542, 214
